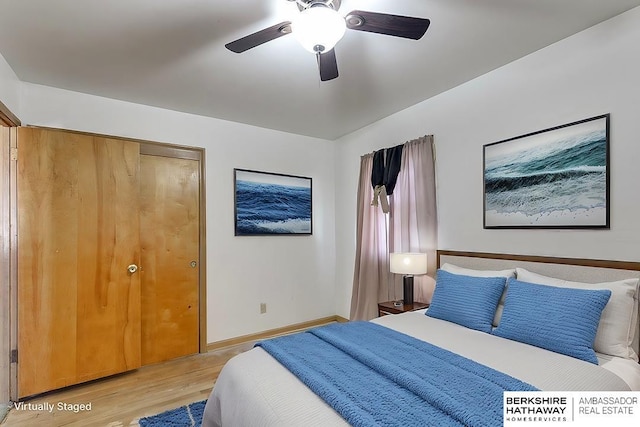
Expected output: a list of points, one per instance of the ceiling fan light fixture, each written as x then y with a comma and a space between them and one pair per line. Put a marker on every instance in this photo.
318, 28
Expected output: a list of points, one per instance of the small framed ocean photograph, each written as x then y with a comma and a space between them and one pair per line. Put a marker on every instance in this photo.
270, 204
554, 178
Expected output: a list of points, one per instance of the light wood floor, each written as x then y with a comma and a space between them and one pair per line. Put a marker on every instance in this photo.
123, 399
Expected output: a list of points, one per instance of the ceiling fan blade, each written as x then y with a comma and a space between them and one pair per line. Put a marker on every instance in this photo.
327, 65
260, 37
390, 25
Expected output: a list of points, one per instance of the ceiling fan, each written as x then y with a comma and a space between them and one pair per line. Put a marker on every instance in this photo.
318, 27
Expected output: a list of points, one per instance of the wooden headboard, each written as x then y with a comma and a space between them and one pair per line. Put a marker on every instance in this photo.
574, 269
512, 260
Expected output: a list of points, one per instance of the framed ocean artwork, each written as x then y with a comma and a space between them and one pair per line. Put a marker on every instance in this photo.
270, 204
554, 178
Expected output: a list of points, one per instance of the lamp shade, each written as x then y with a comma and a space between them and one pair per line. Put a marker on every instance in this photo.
408, 263
318, 28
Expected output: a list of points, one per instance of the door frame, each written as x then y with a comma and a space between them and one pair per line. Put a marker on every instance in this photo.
8, 120
9, 216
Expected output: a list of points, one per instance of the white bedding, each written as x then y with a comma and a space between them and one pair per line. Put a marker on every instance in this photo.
253, 389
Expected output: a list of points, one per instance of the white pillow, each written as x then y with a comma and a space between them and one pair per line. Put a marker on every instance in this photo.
619, 320
511, 272
454, 269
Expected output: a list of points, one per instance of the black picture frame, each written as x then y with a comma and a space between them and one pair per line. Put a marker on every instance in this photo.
272, 204
556, 178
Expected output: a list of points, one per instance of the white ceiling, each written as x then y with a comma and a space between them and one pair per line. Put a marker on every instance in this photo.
171, 54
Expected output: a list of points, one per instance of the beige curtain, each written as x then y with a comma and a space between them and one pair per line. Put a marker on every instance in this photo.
411, 226
413, 223
371, 274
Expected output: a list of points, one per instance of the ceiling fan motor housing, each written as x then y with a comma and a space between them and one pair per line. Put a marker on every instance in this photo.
305, 4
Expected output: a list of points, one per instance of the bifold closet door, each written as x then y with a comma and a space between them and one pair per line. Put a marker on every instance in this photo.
170, 260
78, 232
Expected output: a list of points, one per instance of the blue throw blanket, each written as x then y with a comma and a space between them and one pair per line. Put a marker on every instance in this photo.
375, 376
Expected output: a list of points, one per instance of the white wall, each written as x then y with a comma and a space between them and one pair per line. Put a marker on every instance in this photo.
594, 72
293, 275
9, 87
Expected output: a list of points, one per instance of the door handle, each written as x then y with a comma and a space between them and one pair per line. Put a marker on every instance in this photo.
132, 268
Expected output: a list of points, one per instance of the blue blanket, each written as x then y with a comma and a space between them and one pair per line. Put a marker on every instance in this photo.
374, 376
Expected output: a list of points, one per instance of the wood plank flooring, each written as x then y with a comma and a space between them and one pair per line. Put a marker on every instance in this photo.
123, 399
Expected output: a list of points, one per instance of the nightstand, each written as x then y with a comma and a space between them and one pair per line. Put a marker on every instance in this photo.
387, 307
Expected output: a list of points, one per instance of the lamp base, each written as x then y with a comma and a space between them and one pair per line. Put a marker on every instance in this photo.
407, 282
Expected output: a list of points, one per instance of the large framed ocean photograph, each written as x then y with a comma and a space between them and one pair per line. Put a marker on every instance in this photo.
553, 178
272, 204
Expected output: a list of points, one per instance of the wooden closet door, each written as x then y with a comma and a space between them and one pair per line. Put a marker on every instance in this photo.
78, 230
170, 239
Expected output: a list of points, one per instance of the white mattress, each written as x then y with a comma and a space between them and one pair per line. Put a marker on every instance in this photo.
253, 389
541, 368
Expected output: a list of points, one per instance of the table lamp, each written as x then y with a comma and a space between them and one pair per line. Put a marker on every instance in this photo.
409, 264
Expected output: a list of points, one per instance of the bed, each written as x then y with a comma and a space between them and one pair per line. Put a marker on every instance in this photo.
255, 389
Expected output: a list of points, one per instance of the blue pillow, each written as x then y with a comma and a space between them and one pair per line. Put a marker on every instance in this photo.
466, 300
563, 320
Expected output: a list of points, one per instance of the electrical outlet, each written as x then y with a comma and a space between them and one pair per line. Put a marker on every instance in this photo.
263, 307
